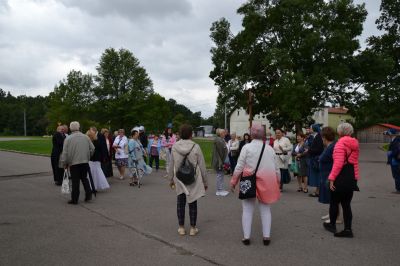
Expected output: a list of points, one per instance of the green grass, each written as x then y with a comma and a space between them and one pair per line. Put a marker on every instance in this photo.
43, 146
36, 146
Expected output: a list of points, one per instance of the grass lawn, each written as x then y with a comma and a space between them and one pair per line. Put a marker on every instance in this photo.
37, 145
40, 145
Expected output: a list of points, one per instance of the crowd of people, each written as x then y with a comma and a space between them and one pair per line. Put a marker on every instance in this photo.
321, 158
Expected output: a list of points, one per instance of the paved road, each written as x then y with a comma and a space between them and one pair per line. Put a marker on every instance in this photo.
131, 226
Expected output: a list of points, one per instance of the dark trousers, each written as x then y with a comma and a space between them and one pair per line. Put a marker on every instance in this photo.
155, 158
57, 172
344, 199
79, 172
232, 162
396, 176
181, 204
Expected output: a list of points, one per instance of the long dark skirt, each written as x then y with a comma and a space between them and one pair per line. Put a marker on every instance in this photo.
107, 168
324, 191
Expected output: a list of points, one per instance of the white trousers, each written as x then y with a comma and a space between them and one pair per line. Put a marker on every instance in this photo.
168, 157
247, 217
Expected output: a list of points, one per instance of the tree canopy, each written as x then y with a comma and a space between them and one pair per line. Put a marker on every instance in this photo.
294, 55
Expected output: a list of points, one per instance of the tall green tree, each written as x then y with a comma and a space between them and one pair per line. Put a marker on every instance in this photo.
122, 87
382, 80
12, 114
295, 55
71, 100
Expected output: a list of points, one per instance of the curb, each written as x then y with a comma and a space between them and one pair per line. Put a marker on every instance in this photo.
27, 153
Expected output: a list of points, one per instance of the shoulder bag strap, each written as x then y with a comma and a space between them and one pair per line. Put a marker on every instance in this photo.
347, 157
259, 159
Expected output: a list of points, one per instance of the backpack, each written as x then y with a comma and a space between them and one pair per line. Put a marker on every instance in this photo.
186, 171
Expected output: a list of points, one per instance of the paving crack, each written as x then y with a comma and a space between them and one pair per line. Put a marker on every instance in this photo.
179, 249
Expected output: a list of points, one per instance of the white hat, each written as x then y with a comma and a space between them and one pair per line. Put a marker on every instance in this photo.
135, 129
141, 128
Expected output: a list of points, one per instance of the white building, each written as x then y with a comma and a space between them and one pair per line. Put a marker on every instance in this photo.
239, 120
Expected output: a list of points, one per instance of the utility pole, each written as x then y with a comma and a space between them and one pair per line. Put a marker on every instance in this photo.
225, 116
24, 122
250, 103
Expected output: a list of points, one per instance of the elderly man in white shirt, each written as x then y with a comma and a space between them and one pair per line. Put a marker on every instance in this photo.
282, 147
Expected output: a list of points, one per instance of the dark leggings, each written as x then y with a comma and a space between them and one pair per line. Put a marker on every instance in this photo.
181, 204
343, 198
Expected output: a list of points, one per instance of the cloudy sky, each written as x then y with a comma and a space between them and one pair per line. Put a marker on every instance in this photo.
42, 40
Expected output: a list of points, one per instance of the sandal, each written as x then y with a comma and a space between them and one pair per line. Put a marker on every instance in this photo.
300, 189
305, 190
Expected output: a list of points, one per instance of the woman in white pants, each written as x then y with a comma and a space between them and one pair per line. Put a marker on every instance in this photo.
267, 183
168, 140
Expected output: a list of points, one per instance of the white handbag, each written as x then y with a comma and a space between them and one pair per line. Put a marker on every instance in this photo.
66, 187
163, 154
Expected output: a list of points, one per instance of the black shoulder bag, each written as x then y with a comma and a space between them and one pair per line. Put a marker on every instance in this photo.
186, 171
247, 184
346, 180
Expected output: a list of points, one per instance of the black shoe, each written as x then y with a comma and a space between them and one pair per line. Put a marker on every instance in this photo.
329, 227
246, 242
345, 233
72, 202
266, 242
88, 198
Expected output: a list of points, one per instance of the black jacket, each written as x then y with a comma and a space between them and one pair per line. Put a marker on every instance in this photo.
58, 144
317, 146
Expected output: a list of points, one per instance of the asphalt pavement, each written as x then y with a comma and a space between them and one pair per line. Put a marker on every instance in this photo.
138, 226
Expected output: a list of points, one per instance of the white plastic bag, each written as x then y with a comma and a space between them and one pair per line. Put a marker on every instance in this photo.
163, 154
65, 187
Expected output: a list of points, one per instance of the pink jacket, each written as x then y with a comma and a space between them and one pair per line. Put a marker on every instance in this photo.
268, 174
170, 143
343, 148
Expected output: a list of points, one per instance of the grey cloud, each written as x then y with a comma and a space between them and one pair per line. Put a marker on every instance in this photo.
131, 9
4, 6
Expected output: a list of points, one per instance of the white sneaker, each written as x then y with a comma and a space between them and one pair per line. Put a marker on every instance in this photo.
121, 178
325, 217
218, 193
224, 193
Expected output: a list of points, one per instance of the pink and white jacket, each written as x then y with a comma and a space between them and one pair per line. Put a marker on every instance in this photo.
343, 148
268, 174
168, 143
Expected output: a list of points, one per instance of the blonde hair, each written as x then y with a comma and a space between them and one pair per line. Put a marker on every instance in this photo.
104, 130
91, 134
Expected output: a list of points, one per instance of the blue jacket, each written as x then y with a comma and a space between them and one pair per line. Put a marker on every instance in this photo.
326, 161
151, 141
394, 151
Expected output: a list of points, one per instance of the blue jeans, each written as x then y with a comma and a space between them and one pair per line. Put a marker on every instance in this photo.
396, 176
220, 180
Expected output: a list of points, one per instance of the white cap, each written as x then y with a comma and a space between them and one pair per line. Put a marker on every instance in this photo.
135, 129
141, 128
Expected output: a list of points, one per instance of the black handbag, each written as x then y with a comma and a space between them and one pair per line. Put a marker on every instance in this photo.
247, 184
186, 171
346, 180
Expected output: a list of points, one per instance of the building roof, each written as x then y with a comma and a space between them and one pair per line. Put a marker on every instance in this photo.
390, 126
337, 110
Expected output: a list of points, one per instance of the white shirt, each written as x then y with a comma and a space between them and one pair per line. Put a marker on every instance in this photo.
122, 143
282, 160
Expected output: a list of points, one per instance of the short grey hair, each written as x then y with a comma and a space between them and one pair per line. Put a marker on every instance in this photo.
219, 131
74, 126
345, 129
257, 132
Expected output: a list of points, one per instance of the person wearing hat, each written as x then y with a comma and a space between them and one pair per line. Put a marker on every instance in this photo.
394, 157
